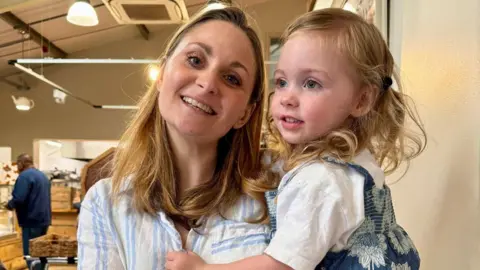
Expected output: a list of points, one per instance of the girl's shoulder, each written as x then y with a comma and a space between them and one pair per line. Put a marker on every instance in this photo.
311, 174
329, 171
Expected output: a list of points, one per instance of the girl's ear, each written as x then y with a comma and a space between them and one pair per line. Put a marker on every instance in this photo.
365, 101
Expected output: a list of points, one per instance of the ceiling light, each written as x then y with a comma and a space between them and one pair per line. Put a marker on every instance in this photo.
47, 81
59, 96
153, 72
82, 13
217, 4
118, 107
23, 103
81, 61
214, 6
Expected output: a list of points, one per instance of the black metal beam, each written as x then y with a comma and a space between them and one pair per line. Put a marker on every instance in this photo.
143, 31
14, 42
17, 23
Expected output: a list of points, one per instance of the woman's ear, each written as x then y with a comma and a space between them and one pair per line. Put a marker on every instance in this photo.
158, 82
364, 102
246, 116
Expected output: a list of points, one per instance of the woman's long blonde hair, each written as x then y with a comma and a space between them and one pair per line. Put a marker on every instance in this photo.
144, 158
383, 129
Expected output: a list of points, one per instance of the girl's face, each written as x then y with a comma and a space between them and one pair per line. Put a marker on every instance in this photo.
315, 91
206, 84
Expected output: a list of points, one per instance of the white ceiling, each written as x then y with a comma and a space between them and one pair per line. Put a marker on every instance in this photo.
47, 17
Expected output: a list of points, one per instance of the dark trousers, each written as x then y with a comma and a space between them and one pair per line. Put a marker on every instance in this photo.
31, 233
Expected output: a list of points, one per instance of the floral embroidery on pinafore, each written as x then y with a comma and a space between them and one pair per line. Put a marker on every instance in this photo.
378, 244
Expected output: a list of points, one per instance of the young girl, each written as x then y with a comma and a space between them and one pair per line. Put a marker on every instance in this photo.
337, 127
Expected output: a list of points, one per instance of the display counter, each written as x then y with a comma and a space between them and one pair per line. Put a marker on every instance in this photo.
7, 222
7, 218
11, 252
64, 222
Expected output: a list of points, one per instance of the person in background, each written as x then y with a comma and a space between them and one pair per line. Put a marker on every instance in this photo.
31, 201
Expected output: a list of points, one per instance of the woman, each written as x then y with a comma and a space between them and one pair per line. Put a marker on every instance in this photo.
181, 175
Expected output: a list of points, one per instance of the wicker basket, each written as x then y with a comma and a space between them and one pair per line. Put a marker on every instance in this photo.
53, 245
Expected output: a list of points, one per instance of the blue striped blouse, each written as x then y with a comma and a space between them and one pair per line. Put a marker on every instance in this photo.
117, 237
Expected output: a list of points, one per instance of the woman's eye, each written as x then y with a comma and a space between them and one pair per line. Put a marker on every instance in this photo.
311, 84
280, 83
231, 79
194, 61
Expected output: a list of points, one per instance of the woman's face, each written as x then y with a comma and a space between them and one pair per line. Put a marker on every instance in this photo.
206, 83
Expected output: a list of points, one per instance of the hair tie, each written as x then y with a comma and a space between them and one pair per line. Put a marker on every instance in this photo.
387, 82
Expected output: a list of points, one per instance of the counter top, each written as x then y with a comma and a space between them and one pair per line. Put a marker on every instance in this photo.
8, 236
64, 211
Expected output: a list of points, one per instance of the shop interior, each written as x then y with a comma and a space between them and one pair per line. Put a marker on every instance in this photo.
72, 70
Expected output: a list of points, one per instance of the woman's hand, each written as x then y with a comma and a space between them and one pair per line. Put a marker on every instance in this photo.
184, 260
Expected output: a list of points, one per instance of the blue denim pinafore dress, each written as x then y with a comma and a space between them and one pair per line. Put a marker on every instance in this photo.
379, 243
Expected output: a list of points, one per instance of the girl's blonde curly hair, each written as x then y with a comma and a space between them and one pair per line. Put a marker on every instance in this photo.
383, 130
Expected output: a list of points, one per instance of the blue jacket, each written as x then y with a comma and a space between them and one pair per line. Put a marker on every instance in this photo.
31, 199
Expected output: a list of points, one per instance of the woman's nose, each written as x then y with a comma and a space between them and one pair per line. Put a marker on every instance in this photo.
207, 80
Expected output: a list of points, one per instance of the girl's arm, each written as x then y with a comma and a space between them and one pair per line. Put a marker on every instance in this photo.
263, 262
190, 260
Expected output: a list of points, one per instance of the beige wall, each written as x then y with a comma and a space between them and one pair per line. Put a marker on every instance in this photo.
104, 84
438, 200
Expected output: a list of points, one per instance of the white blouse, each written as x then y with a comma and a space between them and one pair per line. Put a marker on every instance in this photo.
117, 237
319, 209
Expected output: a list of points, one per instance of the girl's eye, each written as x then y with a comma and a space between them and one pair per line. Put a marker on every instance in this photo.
233, 80
311, 84
280, 83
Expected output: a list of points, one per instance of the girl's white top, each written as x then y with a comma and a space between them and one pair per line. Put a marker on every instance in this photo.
319, 209
118, 237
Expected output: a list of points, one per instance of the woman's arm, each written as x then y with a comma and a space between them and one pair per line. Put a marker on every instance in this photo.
96, 244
